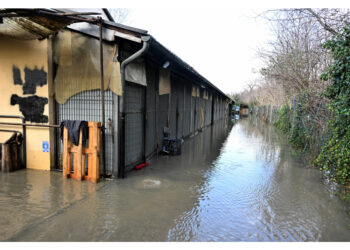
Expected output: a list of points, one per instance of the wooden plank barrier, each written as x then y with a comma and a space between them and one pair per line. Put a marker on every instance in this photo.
11, 158
79, 152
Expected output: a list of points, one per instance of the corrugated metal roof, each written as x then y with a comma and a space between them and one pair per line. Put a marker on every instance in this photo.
100, 11
30, 27
31, 23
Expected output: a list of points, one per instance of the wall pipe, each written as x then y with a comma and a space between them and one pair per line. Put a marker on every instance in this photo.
122, 105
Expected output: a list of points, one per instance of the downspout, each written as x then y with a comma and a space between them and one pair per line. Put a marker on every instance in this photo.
122, 105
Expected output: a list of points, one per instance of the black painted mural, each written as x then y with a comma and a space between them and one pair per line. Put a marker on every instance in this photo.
32, 107
33, 78
17, 76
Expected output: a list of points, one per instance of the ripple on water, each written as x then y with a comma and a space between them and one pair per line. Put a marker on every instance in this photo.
149, 184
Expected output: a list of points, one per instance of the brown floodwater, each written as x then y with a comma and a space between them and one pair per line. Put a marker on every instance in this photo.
231, 183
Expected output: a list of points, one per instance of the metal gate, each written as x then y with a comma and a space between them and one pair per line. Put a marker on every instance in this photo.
173, 108
87, 106
151, 102
180, 110
134, 123
162, 116
187, 110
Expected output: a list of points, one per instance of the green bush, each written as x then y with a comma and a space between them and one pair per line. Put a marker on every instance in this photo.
283, 119
334, 156
301, 127
292, 123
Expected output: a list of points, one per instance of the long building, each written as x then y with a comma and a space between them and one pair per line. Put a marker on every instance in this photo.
51, 71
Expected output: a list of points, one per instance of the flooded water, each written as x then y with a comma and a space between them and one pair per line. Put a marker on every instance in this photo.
235, 183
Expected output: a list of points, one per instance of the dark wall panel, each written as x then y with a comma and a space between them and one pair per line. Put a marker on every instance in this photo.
162, 115
187, 109
193, 112
197, 112
173, 107
180, 108
152, 87
207, 112
134, 122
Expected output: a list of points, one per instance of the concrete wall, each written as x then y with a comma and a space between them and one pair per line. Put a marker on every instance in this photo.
24, 92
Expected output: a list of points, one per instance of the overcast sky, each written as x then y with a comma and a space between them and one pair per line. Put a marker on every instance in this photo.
219, 38
220, 43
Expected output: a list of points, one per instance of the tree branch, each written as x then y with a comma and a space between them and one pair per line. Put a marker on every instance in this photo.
323, 24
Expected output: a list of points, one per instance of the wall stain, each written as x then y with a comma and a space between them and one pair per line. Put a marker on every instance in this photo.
32, 107
17, 76
33, 78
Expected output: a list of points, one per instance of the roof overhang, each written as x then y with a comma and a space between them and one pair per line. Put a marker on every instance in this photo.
41, 23
36, 23
110, 31
181, 67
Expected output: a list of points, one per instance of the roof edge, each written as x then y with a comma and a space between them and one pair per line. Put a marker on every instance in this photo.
186, 66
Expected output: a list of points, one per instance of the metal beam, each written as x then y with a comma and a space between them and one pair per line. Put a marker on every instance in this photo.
102, 103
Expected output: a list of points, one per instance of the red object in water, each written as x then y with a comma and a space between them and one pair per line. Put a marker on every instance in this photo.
142, 165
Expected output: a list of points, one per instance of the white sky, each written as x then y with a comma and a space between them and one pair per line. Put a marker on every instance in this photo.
220, 43
219, 38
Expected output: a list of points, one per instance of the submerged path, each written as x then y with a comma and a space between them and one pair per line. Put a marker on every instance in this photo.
235, 183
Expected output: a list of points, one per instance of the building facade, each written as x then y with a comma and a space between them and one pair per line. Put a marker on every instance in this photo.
146, 88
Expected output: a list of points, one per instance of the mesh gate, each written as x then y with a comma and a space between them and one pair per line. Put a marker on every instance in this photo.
180, 110
162, 115
134, 123
197, 116
173, 108
187, 110
151, 116
193, 113
87, 106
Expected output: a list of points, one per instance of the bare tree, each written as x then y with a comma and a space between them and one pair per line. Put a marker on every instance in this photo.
293, 63
120, 15
296, 57
332, 20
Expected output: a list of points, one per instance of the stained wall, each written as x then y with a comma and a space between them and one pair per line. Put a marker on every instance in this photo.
24, 92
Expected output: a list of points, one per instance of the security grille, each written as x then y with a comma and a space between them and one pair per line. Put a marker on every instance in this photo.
187, 110
180, 110
173, 108
151, 116
87, 106
134, 123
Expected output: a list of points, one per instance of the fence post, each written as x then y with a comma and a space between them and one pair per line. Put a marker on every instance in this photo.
293, 113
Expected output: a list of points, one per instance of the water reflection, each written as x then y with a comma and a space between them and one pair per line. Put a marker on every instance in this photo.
28, 196
235, 183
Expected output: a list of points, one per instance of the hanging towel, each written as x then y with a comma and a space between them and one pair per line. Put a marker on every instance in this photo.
73, 128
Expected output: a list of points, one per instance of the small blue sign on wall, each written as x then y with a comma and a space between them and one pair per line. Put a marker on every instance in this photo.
45, 146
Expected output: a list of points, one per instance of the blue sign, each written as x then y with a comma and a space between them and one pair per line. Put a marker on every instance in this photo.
45, 146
